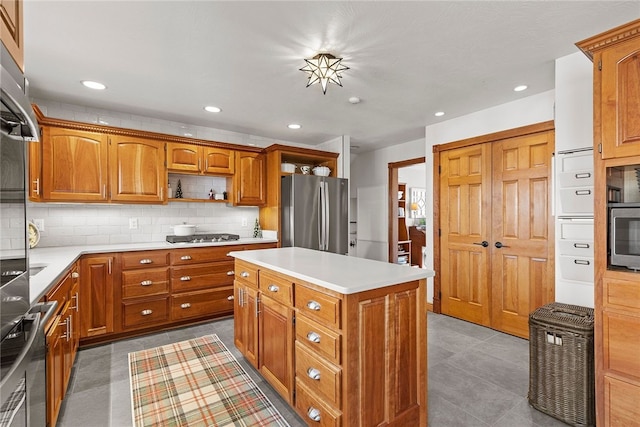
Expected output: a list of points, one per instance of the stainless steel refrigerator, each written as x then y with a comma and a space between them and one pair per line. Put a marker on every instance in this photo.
315, 213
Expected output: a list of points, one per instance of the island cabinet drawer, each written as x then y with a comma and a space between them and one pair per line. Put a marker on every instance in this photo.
145, 259
322, 307
201, 303
200, 255
314, 410
202, 276
318, 338
144, 313
320, 376
276, 287
246, 272
138, 283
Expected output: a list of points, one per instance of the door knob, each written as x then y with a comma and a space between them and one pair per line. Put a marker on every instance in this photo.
500, 245
484, 243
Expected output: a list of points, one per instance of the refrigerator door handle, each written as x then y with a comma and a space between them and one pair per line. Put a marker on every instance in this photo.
320, 218
326, 216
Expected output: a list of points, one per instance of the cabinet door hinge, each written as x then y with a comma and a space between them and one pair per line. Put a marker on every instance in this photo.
439, 232
600, 65
600, 148
293, 319
439, 169
439, 295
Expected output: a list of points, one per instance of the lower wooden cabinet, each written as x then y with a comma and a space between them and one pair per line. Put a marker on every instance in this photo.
245, 315
96, 295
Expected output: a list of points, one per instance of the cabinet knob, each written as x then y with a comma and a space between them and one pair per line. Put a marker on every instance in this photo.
185, 257
273, 288
146, 312
313, 373
313, 305
75, 275
185, 305
231, 273
146, 283
313, 337
244, 274
314, 414
230, 298
185, 278
146, 261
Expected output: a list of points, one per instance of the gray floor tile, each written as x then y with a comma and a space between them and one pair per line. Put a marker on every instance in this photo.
451, 340
467, 328
93, 373
507, 347
443, 413
87, 408
437, 354
525, 415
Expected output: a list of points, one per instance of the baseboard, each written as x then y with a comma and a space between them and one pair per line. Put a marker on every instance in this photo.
430, 306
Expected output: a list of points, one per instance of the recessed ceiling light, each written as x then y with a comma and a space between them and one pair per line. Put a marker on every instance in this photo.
520, 88
294, 126
212, 109
93, 85
354, 100
439, 114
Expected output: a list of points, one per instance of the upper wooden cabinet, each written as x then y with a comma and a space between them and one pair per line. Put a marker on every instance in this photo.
199, 159
616, 58
137, 173
249, 184
11, 29
74, 165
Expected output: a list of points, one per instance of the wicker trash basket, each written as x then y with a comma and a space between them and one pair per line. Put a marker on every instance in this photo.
561, 366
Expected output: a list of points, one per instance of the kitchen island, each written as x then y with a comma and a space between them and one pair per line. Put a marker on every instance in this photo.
342, 339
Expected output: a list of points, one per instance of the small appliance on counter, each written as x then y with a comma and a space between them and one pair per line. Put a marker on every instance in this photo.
203, 238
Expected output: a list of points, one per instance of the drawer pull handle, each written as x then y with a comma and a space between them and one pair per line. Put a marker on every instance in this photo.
185, 257
244, 274
581, 262
230, 298
146, 261
314, 374
231, 273
185, 305
583, 192
146, 283
314, 414
185, 278
583, 175
146, 312
75, 275
273, 288
313, 337
313, 305
581, 245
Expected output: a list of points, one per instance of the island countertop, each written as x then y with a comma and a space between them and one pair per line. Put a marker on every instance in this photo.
340, 273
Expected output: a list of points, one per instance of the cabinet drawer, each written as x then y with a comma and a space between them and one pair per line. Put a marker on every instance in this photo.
313, 410
276, 287
145, 282
200, 255
246, 272
320, 376
202, 277
145, 313
144, 259
576, 230
317, 305
621, 294
318, 338
621, 402
621, 344
576, 201
576, 268
582, 178
201, 303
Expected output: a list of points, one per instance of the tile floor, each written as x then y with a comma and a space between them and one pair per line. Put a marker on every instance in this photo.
477, 377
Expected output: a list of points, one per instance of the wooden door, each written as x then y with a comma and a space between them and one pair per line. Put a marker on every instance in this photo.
465, 223
74, 165
249, 179
137, 170
620, 100
11, 29
183, 157
96, 295
522, 261
218, 160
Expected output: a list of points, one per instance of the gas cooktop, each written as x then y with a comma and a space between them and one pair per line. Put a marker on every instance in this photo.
203, 238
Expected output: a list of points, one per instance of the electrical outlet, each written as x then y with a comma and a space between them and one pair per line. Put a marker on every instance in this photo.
39, 223
244, 222
133, 223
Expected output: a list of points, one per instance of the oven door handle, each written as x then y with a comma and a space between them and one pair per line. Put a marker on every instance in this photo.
10, 380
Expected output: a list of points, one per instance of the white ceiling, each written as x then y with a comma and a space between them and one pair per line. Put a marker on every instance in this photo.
168, 59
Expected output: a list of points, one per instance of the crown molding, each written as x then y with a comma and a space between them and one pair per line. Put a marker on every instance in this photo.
609, 38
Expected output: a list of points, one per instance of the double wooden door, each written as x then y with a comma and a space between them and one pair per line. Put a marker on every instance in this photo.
496, 231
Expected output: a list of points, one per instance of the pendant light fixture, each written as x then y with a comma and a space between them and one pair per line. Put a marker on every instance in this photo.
324, 68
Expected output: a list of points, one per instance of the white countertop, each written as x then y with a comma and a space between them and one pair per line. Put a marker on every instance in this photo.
339, 273
57, 260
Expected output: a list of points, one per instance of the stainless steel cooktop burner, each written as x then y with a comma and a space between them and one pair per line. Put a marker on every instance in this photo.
203, 238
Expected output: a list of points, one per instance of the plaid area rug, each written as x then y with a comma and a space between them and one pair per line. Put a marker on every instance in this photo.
196, 383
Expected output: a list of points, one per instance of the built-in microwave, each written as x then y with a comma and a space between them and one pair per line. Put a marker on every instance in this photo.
624, 236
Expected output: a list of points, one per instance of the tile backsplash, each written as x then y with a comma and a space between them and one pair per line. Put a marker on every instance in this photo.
100, 224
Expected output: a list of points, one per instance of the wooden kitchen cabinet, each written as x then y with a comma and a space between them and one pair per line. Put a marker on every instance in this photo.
617, 290
248, 186
34, 154
245, 311
11, 29
137, 170
74, 165
200, 159
97, 295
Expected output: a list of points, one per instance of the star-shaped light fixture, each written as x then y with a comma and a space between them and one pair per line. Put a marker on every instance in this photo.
324, 68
